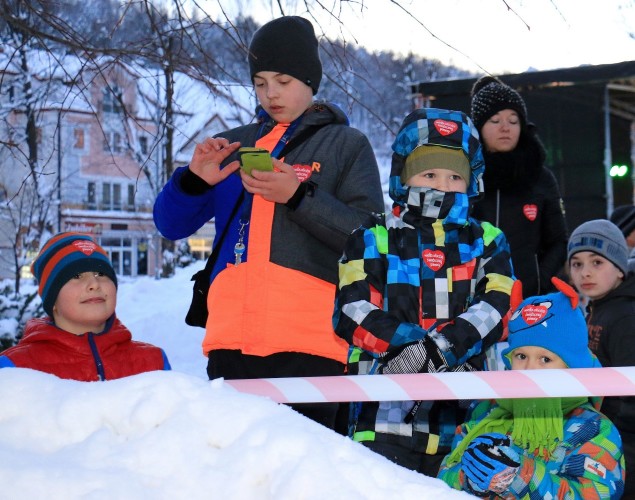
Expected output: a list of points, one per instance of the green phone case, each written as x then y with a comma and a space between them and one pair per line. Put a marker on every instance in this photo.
255, 158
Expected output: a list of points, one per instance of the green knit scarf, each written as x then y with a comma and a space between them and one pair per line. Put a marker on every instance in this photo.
535, 424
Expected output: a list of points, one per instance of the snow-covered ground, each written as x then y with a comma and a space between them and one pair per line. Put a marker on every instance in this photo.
173, 435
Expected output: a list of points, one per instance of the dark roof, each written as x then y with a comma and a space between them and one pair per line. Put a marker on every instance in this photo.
620, 78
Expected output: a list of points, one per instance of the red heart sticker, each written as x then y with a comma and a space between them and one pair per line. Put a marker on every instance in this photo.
84, 246
302, 171
434, 259
530, 211
533, 314
445, 127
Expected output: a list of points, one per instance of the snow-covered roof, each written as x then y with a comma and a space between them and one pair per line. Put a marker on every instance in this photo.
201, 107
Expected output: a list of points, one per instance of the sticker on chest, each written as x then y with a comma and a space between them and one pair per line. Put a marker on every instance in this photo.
302, 171
530, 211
434, 259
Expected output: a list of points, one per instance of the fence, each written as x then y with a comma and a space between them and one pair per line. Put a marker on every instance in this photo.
444, 386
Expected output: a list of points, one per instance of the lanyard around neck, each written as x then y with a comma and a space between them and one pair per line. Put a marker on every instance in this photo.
286, 137
245, 216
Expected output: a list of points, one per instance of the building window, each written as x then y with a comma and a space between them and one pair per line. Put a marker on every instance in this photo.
112, 142
92, 196
116, 142
143, 145
110, 196
131, 197
106, 198
112, 99
78, 138
116, 196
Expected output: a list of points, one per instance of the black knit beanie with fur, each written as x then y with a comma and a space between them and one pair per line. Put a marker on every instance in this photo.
287, 45
489, 96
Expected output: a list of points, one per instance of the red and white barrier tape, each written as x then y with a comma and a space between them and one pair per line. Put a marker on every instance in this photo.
445, 386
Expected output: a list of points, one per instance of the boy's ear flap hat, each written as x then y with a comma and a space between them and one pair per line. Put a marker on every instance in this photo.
489, 96
64, 256
624, 218
554, 322
287, 45
602, 237
436, 138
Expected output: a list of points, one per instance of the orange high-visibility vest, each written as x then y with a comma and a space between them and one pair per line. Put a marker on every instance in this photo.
261, 308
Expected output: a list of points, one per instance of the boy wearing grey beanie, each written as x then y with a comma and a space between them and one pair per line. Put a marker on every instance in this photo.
598, 265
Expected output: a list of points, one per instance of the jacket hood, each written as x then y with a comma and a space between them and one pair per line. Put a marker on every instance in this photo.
625, 290
436, 127
319, 113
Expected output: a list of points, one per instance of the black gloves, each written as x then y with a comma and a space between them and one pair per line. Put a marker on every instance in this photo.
422, 356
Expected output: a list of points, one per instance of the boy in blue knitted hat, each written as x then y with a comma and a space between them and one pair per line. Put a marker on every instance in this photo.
540, 447
425, 289
81, 339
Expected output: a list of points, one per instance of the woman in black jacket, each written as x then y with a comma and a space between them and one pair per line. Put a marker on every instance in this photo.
521, 195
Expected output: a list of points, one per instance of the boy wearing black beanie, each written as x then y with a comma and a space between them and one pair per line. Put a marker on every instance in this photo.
272, 285
287, 45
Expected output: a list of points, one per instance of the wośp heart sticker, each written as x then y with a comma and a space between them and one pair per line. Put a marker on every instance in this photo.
434, 259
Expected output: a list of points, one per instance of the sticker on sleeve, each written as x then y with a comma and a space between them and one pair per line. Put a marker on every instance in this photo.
594, 467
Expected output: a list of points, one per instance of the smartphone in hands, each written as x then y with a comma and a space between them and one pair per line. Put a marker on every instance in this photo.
255, 158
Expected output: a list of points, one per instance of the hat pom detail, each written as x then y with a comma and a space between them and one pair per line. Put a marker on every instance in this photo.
484, 82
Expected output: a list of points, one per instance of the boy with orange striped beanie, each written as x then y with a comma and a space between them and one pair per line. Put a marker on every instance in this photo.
81, 338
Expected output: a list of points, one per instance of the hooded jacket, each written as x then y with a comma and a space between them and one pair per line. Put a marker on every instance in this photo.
522, 198
611, 324
337, 159
254, 307
427, 270
587, 463
90, 357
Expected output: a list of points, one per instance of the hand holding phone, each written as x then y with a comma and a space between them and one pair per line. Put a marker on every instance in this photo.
255, 158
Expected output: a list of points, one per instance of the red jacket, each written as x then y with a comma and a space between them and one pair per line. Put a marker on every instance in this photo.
89, 357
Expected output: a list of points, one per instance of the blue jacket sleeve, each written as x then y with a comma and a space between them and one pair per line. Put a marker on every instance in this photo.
178, 215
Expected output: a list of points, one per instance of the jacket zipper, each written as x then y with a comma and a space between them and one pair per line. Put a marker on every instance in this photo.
498, 204
96, 357
537, 273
